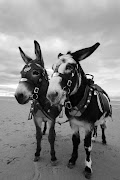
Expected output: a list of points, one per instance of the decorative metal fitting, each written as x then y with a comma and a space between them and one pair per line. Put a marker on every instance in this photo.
85, 106
68, 105
43, 73
34, 96
36, 90
40, 80
69, 83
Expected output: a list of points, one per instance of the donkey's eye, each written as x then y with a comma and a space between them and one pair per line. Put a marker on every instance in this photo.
36, 73
69, 67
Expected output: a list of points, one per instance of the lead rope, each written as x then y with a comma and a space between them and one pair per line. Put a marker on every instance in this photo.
31, 110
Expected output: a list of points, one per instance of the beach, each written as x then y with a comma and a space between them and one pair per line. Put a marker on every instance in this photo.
18, 145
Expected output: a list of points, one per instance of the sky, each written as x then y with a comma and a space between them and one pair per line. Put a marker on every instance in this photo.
60, 26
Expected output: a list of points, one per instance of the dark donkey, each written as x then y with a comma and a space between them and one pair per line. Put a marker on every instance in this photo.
86, 104
33, 86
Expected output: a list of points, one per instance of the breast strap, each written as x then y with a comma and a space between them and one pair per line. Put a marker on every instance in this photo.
83, 104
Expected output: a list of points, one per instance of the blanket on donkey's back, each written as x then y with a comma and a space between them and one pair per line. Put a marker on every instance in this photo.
104, 99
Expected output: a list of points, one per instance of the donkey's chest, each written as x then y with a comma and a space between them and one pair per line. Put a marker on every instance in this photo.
80, 123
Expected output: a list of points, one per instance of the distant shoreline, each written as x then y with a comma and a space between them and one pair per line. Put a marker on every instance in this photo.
113, 99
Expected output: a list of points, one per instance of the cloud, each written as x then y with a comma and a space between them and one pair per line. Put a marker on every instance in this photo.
7, 89
60, 26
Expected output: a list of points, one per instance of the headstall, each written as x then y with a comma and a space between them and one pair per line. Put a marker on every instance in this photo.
26, 78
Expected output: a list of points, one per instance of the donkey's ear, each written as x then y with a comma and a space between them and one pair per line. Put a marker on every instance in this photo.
84, 53
38, 53
25, 58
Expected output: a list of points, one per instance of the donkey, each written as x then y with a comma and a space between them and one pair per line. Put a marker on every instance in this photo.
33, 86
86, 104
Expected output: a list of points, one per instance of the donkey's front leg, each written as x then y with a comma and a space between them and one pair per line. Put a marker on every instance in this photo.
51, 139
88, 148
38, 123
76, 142
45, 127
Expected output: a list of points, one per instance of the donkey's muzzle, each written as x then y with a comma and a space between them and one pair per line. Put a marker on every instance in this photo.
21, 98
52, 96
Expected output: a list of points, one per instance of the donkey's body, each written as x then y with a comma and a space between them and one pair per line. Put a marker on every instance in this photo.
81, 99
33, 85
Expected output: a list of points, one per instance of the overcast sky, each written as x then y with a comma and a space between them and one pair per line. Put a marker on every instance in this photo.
59, 26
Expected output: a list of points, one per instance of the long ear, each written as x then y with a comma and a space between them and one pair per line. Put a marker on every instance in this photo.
38, 53
25, 58
84, 53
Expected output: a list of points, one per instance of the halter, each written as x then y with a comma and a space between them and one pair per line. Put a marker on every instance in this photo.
35, 93
69, 81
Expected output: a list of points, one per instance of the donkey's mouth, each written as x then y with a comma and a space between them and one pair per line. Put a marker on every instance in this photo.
21, 99
58, 101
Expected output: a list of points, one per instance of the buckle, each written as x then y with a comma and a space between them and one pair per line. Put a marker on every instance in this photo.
34, 96
66, 89
36, 90
68, 105
69, 83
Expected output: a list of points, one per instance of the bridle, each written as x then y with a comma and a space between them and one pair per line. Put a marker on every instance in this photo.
69, 86
37, 84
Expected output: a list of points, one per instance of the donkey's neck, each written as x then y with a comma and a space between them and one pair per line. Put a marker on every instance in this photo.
76, 98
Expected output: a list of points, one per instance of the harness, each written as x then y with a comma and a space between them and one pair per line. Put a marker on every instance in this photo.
39, 102
91, 90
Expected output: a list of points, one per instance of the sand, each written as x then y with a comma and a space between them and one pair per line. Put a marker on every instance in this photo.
18, 145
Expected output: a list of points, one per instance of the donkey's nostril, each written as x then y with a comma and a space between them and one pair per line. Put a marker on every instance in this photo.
56, 94
21, 95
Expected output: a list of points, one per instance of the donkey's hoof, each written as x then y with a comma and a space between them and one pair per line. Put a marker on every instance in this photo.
87, 175
87, 172
104, 142
36, 158
71, 165
54, 163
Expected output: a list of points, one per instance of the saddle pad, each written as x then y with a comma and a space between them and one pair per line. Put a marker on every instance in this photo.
99, 89
104, 102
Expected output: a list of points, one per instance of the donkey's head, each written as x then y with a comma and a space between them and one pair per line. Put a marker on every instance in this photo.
32, 75
66, 78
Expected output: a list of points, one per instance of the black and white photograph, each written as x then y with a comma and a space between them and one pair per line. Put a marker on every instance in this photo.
59, 89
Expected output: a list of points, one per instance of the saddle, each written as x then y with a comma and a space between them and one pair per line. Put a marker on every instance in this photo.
102, 97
